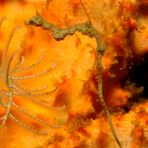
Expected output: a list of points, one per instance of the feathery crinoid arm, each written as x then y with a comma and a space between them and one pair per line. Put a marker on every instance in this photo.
14, 88
6, 60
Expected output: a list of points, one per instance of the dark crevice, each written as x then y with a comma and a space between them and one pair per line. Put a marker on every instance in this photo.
143, 7
138, 75
136, 81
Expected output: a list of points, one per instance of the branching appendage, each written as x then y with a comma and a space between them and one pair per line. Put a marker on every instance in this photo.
88, 29
2, 20
14, 88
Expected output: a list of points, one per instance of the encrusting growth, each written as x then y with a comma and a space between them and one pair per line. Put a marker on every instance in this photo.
13, 88
88, 29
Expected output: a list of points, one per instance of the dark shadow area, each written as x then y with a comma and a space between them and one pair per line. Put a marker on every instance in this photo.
138, 74
143, 7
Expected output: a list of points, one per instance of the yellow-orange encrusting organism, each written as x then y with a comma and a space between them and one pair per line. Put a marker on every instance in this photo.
122, 25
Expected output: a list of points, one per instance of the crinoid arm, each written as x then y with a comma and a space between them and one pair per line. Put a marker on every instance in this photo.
2, 20
26, 126
33, 116
18, 67
22, 88
34, 75
14, 89
30, 94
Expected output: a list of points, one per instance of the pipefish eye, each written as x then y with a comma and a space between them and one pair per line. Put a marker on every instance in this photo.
36, 20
